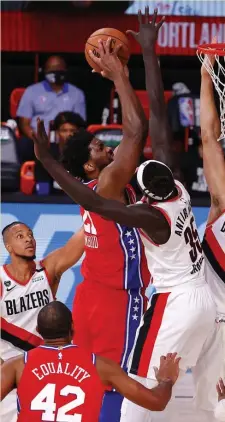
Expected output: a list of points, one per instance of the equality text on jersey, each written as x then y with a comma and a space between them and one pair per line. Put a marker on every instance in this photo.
74, 371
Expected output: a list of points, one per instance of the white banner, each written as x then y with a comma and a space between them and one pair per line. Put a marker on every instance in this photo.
181, 8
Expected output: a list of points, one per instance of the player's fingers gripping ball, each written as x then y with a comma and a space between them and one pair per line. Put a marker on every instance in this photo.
118, 38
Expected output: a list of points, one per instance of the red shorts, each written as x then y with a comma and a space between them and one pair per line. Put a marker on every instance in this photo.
106, 320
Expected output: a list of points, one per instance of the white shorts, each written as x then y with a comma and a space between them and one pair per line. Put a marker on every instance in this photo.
209, 368
8, 408
180, 321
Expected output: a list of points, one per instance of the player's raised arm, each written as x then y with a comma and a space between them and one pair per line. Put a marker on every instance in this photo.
213, 156
11, 371
159, 129
60, 260
114, 177
141, 216
153, 399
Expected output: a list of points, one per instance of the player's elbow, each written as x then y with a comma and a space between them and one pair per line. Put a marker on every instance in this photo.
160, 401
161, 405
158, 406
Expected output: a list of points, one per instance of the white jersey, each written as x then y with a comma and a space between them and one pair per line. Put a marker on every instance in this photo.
214, 250
20, 305
180, 260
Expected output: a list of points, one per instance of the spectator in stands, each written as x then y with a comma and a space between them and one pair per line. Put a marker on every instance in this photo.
45, 100
65, 125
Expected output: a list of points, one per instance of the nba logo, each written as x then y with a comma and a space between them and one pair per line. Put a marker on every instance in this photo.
186, 110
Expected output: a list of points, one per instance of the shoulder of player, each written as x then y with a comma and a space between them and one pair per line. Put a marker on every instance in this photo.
109, 182
16, 363
47, 264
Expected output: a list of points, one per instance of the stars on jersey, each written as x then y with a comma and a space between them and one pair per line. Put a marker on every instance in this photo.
131, 244
131, 241
135, 308
134, 315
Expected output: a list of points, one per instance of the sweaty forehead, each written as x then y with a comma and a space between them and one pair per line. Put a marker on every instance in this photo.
11, 231
19, 228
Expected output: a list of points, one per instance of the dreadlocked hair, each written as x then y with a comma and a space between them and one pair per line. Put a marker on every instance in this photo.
76, 153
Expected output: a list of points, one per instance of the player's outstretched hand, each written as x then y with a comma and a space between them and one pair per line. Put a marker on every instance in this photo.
168, 369
148, 30
220, 387
41, 141
108, 60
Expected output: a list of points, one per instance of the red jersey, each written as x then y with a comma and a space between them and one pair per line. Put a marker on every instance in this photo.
59, 384
115, 254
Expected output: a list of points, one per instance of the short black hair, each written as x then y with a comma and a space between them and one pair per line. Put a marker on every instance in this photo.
6, 228
54, 321
158, 179
68, 117
76, 153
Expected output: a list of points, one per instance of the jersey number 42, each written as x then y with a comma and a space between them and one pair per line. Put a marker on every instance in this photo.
45, 400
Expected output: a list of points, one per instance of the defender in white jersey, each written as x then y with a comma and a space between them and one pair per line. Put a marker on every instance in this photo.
214, 238
180, 259
26, 287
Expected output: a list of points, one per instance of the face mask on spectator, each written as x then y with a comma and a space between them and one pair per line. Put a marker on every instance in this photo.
57, 77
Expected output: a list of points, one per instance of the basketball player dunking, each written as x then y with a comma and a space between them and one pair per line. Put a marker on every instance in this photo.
181, 314
214, 238
66, 381
27, 286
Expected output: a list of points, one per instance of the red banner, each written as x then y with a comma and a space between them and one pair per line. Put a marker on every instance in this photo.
44, 32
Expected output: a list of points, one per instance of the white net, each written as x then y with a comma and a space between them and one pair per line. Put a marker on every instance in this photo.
217, 74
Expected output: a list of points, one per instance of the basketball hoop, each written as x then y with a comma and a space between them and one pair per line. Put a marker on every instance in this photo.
217, 75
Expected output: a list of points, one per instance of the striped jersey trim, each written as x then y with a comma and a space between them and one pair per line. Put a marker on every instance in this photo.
148, 334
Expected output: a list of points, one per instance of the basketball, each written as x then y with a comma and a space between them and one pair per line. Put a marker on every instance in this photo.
118, 37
